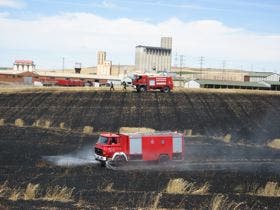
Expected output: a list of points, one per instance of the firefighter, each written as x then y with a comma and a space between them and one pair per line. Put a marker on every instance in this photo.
124, 85
112, 86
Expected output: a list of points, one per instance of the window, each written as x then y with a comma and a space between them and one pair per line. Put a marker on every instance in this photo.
114, 140
102, 140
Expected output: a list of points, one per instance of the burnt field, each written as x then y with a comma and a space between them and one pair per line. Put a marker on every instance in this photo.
239, 172
245, 116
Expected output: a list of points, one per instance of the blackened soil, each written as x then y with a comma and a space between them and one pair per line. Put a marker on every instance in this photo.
23, 149
248, 117
34, 204
234, 169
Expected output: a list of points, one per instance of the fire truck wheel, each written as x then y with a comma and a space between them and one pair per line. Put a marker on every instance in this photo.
120, 160
103, 164
163, 159
166, 89
142, 89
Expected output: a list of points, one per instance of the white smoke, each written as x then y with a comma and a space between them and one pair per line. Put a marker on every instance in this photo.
85, 156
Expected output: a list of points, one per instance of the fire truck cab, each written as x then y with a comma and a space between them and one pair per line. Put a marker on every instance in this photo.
109, 146
138, 146
144, 83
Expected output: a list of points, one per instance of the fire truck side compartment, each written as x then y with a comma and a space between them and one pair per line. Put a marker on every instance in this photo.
177, 148
135, 146
154, 146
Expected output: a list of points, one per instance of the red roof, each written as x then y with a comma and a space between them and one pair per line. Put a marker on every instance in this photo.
24, 62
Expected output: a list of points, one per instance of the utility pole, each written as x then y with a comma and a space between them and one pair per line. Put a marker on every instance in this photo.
119, 69
224, 65
182, 59
63, 59
201, 62
252, 67
224, 70
176, 60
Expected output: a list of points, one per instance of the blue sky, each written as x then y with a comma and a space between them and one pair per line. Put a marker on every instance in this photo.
255, 15
252, 23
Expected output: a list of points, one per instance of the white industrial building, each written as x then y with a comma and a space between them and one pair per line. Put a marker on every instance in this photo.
262, 76
104, 67
260, 85
24, 65
149, 58
192, 84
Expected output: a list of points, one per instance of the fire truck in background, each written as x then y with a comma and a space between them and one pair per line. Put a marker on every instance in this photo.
113, 149
69, 82
144, 83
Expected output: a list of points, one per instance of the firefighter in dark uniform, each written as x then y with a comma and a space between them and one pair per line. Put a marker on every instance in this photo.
112, 86
124, 85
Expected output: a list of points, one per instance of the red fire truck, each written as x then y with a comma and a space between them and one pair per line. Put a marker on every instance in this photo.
144, 83
69, 82
120, 148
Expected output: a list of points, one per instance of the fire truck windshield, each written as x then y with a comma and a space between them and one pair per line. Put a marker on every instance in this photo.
102, 140
136, 77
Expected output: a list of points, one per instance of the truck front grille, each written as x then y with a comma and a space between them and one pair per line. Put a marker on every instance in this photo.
98, 151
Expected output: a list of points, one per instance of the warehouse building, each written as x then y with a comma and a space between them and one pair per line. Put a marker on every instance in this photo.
15, 77
217, 84
274, 85
149, 58
49, 78
261, 76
